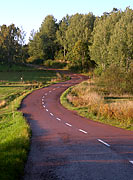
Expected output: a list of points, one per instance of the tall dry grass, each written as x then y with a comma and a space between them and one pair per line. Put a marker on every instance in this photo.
2, 103
83, 95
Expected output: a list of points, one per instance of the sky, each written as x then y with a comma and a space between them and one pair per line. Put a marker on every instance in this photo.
29, 14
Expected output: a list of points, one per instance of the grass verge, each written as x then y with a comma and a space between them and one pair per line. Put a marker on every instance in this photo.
14, 131
14, 141
96, 111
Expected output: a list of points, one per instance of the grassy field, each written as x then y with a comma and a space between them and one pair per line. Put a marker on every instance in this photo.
14, 130
110, 109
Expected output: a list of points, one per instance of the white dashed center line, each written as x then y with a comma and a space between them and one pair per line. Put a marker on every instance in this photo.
47, 110
82, 131
51, 114
58, 119
106, 144
45, 94
68, 124
42, 102
131, 162
44, 106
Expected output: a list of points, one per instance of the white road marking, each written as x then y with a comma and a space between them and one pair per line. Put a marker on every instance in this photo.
47, 110
44, 106
51, 114
131, 162
82, 131
103, 142
42, 102
43, 97
68, 124
58, 119
49, 91
45, 94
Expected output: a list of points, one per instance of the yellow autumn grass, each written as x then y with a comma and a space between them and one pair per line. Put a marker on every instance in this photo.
2, 103
83, 96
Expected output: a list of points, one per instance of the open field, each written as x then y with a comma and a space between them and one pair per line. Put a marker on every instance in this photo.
14, 130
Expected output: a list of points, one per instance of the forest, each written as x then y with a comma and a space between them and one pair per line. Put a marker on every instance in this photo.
83, 42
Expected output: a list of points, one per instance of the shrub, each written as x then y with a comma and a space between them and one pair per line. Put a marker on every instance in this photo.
54, 64
115, 80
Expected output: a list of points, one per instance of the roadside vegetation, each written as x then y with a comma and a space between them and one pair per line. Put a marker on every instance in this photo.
108, 99
14, 131
102, 47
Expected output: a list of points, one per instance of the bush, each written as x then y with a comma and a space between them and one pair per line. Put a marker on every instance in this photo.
34, 60
59, 55
129, 82
115, 80
74, 67
54, 64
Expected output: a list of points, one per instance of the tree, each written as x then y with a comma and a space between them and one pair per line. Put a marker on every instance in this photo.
48, 35
103, 30
81, 56
35, 47
80, 28
121, 43
78, 34
42, 44
61, 34
10, 43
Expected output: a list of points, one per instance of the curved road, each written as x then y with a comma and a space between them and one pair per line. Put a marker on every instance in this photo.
65, 146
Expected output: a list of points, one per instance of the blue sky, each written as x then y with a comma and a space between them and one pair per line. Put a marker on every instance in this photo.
30, 13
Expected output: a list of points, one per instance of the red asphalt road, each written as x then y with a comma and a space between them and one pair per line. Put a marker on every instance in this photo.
65, 146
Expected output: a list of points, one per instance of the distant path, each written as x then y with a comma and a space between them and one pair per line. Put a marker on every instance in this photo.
65, 146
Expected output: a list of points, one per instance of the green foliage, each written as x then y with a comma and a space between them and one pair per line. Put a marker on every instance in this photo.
112, 41
11, 43
59, 55
35, 48
54, 64
14, 145
78, 37
102, 32
121, 42
14, 130
68, 40
61, 35
115, 80
42, 45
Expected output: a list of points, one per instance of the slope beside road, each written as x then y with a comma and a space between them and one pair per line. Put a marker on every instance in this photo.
65, 146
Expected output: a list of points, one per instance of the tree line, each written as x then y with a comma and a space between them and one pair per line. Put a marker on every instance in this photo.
12, 48
84, 41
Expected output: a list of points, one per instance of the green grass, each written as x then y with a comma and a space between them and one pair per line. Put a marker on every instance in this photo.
14, 67
14, 144
38, 75
14, 131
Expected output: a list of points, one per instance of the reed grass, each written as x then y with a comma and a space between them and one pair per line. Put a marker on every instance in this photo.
118, 110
